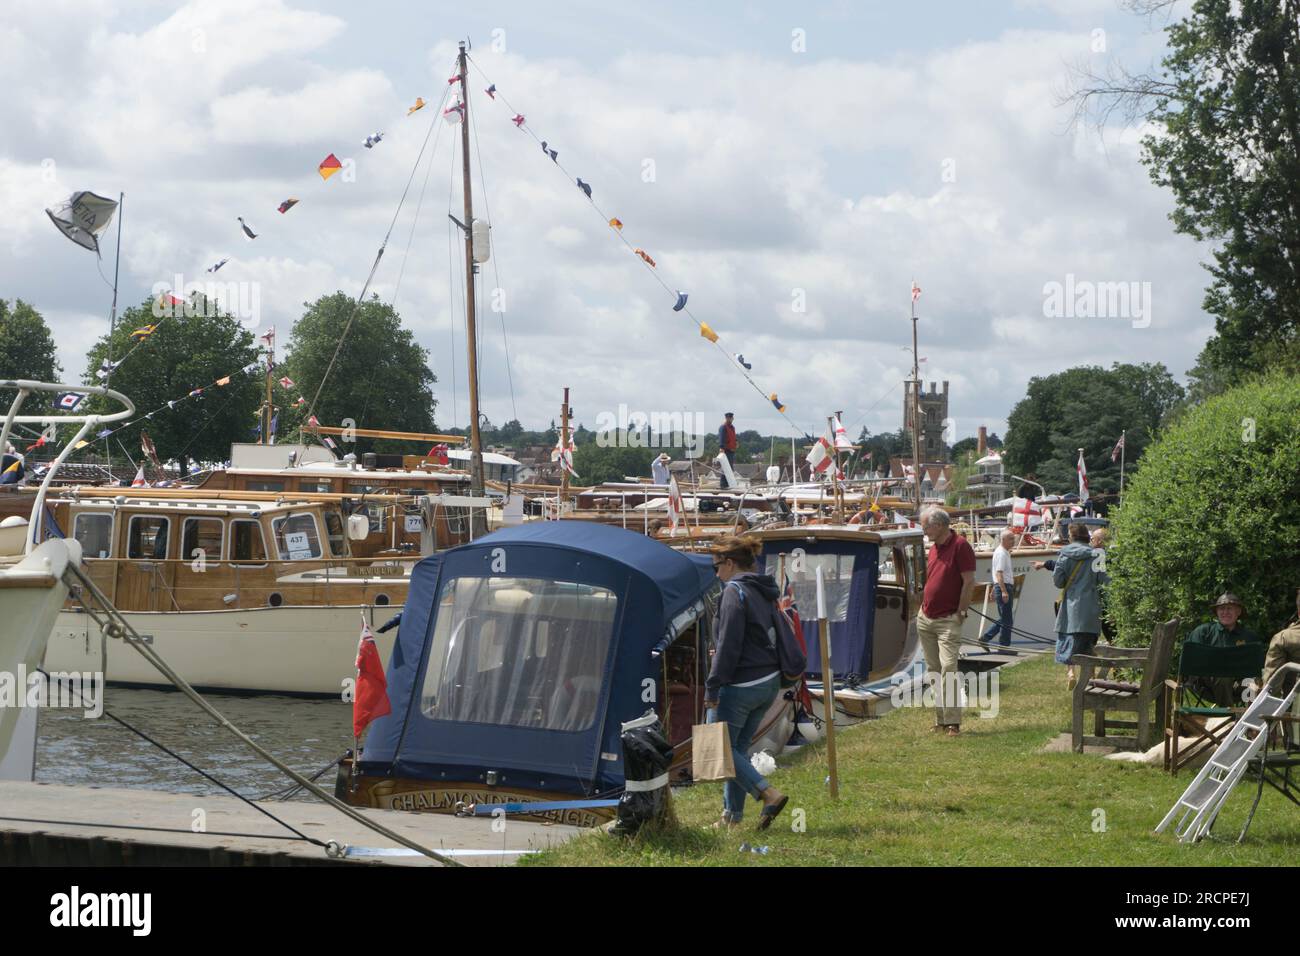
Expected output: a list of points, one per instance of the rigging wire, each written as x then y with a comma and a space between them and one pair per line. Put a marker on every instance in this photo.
649, 268
496, 273
356, 305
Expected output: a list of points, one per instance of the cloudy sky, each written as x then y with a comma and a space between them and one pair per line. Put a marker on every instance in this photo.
794, 172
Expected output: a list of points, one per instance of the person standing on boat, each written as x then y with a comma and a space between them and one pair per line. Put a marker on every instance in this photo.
949, 580
1079, 574
659, 469
727, 442
745, 677
1002, 584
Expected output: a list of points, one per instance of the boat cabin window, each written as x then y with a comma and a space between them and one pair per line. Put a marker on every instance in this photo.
888, 570
265, 484
519, 652
334, 531
201, 534
296, 537
801, 572
315, 485
147, 537
246, 542
94, 532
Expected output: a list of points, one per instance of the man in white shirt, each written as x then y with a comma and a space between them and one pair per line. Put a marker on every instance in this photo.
1003, 584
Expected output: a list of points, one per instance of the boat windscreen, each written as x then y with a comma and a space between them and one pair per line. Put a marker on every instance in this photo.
519, 652
801, 573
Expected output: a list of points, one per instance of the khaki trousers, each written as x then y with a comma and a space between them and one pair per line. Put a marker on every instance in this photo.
941, 643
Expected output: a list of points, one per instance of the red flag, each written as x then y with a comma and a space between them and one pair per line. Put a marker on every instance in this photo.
371, 698
439, 454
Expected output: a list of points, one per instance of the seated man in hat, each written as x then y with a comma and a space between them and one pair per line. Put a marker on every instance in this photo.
1227, 631
1285, 646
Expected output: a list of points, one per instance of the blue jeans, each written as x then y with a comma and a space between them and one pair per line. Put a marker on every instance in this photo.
742, 709
1003, 623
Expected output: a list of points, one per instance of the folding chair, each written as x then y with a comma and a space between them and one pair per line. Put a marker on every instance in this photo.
1189, 706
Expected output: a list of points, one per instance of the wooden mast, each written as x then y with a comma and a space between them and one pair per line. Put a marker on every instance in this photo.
916, 412
564, 450
475, 439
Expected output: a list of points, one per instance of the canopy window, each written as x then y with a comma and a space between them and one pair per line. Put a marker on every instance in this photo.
519, 652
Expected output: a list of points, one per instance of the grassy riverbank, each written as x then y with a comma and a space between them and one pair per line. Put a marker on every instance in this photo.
988, 797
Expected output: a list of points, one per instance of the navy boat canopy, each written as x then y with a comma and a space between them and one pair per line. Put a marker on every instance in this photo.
522, 652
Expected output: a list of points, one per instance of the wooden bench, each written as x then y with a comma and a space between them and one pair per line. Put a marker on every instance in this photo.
1101, 697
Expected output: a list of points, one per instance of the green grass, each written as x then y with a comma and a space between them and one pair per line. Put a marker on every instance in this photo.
990, 797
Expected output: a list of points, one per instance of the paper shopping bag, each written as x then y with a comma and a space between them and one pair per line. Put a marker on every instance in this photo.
711, 752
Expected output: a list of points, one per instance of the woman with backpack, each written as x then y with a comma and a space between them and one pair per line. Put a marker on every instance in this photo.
745, 677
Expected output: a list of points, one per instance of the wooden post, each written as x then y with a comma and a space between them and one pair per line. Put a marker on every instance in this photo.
828, 683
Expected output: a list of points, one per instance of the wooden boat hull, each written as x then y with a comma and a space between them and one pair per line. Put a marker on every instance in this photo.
306, 651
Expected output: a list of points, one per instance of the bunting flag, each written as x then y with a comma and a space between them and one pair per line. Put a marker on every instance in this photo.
13, 471
491, 91
820, 457
1083, 479
841, 436
106, 368
103, 433
455, 113
776, 403
70, 401
248, 231
330, 442
681, 301
329, 166
553, 153
286, 382
741, 359
218, 265
145, 331
642, 253
268, 336
371, 697
419, 105
286, 205
439, 454
224, 380
707, 332
373, 140
82, 217
584, 187
39, 443
616, 223
313, 422
299, 402
453, 79
916, 292
519, 120
138, 481
195, 394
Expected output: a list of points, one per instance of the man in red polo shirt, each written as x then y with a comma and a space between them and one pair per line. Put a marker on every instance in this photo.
949, 579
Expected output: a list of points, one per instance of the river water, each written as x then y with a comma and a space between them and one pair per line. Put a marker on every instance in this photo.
305, 734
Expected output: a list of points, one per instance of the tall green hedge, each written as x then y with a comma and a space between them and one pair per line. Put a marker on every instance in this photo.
1215, 506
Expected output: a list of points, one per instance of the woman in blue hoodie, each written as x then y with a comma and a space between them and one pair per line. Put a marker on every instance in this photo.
1078, 572
746, 675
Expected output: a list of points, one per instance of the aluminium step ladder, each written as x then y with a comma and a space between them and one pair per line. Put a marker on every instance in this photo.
1200, 803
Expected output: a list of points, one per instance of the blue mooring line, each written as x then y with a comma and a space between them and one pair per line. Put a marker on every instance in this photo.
487, 809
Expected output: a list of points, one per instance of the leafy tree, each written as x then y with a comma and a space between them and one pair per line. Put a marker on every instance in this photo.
192, 346
1087, 407
1226, 114
26, 345
380, 379
1214, 506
